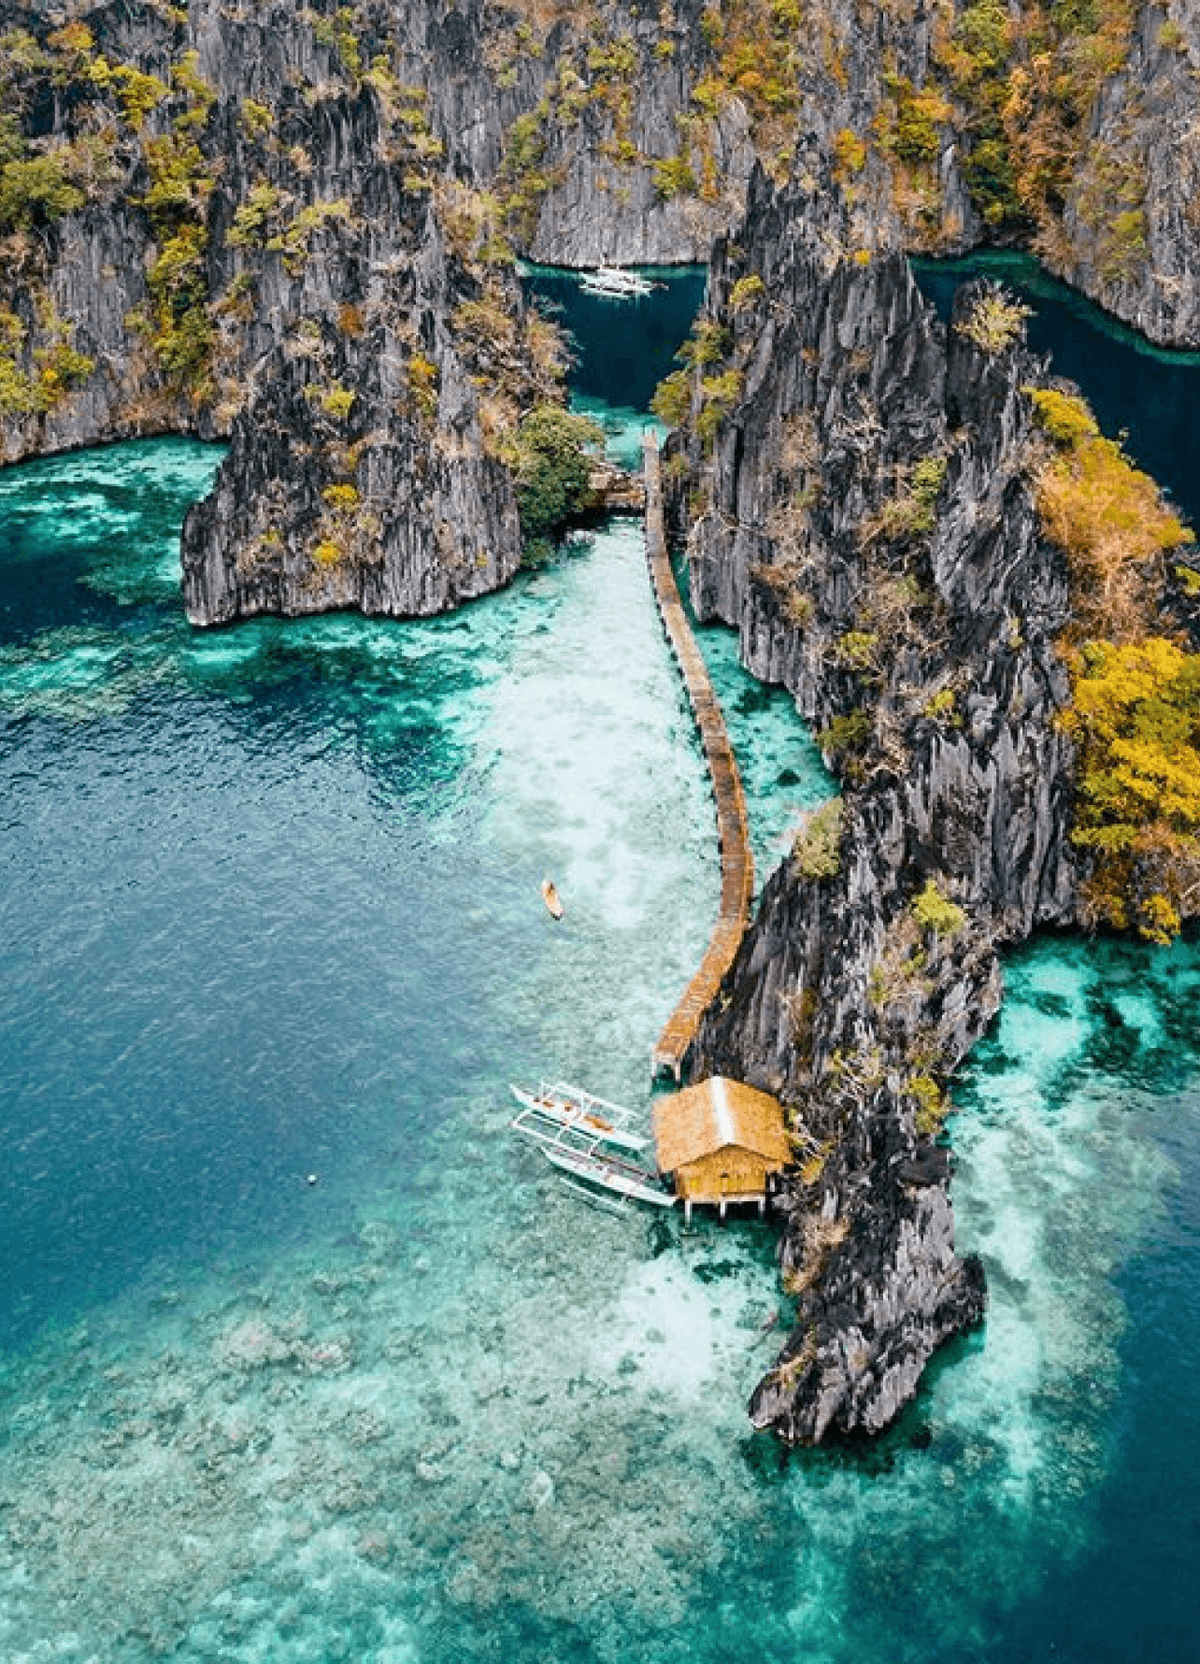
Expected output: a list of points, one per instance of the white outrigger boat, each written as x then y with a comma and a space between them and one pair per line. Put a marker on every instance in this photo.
610, 1172
589, 1140
560, 1106
612, 281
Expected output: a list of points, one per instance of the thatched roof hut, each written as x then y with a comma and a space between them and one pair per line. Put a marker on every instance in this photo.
719, 1140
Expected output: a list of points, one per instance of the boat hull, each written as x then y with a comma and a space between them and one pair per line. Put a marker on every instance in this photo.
610, 1173
579, 1112
616, 284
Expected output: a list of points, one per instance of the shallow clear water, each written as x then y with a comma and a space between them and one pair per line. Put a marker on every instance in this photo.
270, 910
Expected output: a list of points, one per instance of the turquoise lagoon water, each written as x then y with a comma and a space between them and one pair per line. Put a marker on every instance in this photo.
270, 911
622, 348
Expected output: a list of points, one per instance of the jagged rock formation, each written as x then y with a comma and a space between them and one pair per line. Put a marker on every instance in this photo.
868, 525
359, 475
190, 197
1126, 233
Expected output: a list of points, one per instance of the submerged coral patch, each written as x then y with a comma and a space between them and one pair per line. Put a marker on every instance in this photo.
282, 921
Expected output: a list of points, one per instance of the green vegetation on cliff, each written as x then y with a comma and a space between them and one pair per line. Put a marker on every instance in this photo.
36, 192
1106, 515
55, 369
1135, 719
549, 456
1025, 84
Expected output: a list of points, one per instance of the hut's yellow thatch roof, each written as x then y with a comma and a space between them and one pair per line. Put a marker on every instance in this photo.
716, 1115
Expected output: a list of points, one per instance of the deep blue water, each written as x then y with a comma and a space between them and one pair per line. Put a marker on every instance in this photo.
270, 910
622, 349
1150, 395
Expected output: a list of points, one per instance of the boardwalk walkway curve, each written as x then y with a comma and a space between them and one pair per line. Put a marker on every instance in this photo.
733, 831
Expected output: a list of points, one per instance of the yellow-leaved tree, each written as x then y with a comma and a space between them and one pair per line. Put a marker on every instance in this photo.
1136, 722
1135, 713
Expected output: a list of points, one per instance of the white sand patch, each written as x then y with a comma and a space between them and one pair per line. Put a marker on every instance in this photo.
680, 1333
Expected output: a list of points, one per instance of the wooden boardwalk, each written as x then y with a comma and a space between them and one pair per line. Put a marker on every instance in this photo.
733, 831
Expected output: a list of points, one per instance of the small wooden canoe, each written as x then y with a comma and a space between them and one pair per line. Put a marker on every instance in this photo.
551, 897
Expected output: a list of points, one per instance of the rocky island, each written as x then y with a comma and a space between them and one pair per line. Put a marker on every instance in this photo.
296, 227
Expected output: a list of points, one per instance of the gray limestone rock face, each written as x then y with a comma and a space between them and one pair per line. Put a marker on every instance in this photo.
1130, 237
358, 473
867, 524
414, 524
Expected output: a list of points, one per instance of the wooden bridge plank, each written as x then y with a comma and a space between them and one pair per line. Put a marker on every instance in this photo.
733, 832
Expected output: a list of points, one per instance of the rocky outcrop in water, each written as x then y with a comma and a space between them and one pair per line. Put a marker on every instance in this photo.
867, 523
226, 209
359, 473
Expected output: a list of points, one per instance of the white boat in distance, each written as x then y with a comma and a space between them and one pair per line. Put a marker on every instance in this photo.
554, 1109
618, 284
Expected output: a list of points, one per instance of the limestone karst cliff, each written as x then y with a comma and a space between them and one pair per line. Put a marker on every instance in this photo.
360, 472
860, 492
195, 197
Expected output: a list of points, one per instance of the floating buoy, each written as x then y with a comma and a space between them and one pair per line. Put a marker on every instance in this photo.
551, 898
